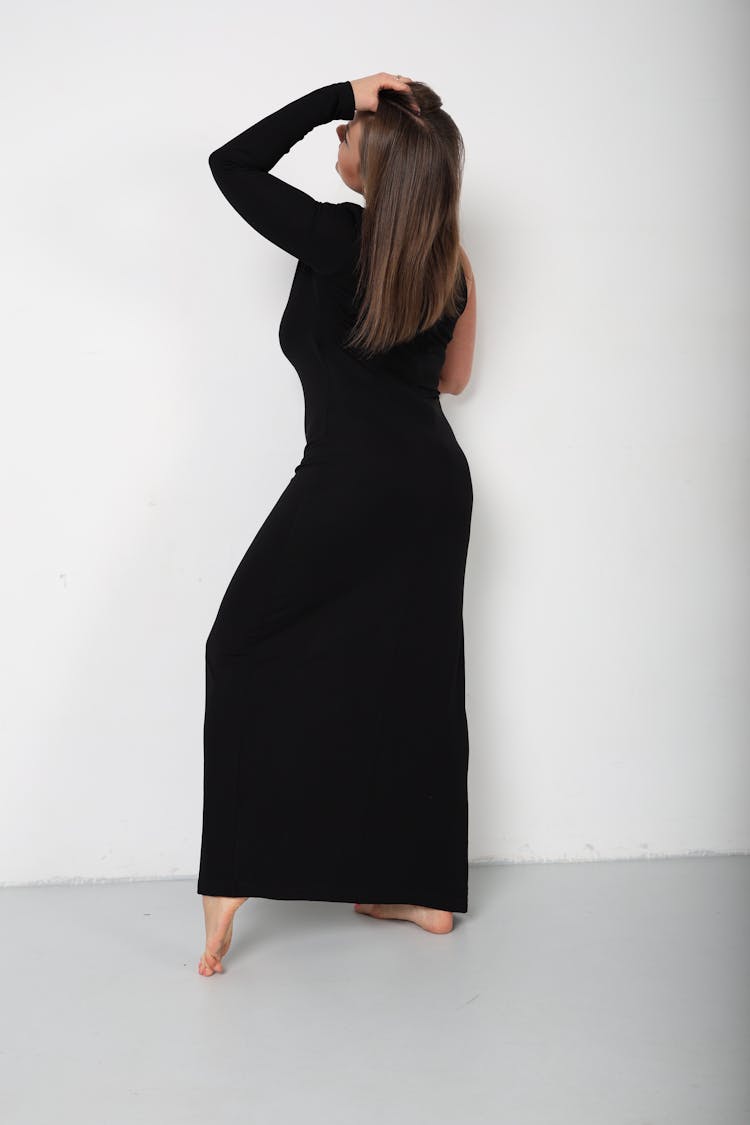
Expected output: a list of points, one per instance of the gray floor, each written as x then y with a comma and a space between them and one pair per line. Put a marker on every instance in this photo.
570, 994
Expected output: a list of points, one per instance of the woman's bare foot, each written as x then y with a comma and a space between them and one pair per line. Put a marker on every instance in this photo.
436, 921
219, 914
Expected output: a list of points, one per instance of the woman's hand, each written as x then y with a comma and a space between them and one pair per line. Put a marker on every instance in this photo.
366, 90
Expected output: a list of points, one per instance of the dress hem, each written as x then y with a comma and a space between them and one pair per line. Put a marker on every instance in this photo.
434, 902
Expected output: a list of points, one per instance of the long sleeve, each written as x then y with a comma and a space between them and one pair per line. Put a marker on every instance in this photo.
312, 231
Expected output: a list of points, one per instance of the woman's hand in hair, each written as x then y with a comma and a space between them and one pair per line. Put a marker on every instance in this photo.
366, 90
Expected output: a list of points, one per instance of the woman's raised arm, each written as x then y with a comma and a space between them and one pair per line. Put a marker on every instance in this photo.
316, 232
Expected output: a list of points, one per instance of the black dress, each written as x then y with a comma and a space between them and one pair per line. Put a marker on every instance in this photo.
335, 735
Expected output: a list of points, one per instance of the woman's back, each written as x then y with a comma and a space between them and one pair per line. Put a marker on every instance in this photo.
357, 403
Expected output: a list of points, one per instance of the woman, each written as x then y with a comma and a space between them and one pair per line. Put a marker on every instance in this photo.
335, 735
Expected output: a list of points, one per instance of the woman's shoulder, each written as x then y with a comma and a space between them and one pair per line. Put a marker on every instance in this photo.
352, 208
467, 271
466, 281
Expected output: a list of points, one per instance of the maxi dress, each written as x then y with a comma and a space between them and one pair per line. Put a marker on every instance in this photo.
335, 736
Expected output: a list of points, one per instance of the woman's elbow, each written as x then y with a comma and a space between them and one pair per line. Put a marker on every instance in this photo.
456, 371
453, 386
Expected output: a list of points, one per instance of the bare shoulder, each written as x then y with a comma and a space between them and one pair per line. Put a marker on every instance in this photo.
468, 271
459, 355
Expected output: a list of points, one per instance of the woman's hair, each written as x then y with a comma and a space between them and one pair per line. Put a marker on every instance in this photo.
409, 271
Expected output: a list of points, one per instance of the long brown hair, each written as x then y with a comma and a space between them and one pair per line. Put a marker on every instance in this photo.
409, 271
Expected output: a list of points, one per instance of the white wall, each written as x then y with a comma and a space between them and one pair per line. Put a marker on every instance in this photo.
150, 420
